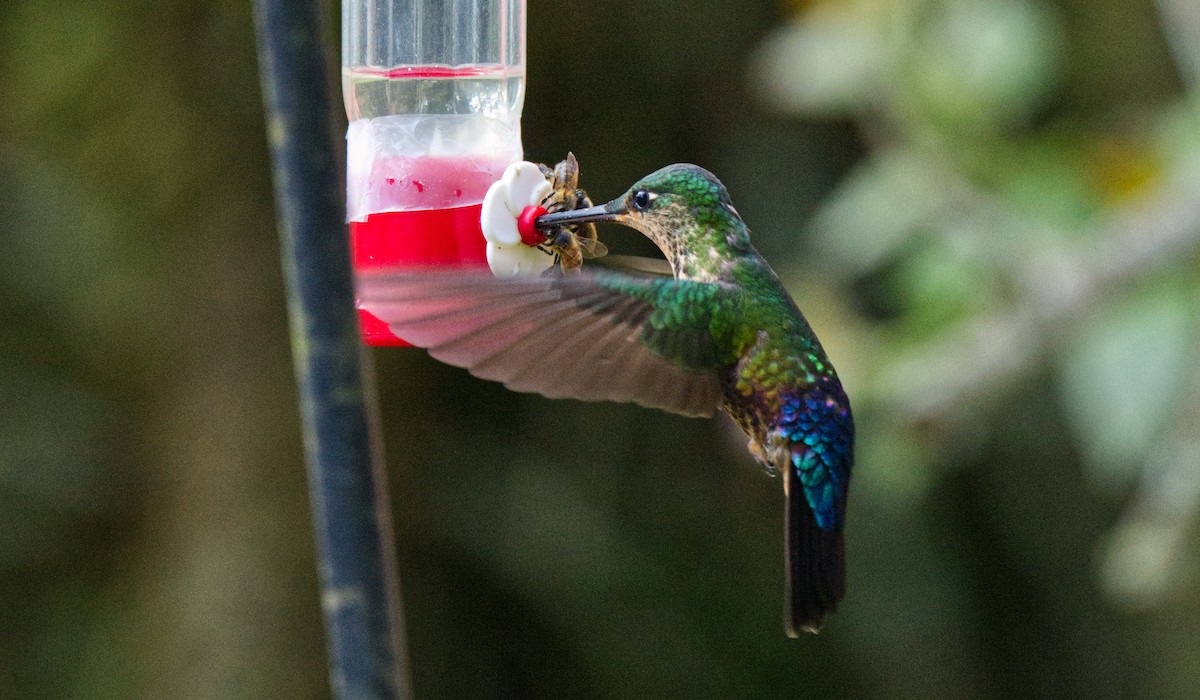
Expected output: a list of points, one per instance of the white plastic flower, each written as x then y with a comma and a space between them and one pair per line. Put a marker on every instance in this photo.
522, 186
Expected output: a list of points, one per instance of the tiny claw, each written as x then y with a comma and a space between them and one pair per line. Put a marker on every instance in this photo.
526, 226
760, 455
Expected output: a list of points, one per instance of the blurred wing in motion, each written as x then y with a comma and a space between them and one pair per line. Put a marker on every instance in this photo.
637, 264
592, 337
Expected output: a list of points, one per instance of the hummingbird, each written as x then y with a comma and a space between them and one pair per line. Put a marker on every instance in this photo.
718, 331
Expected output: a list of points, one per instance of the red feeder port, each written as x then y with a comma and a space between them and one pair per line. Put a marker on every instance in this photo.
527, 226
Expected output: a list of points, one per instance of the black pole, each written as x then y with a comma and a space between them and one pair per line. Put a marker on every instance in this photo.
359, 590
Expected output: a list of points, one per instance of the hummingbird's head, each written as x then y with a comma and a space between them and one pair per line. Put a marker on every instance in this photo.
683, 208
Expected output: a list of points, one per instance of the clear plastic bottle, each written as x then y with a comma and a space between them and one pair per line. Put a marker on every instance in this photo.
433, 90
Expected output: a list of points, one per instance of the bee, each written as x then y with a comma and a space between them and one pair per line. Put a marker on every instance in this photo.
569, 244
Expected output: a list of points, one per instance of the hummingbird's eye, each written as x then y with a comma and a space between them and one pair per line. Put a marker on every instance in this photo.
641, 200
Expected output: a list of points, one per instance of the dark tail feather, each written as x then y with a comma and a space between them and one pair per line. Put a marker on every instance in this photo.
816, 566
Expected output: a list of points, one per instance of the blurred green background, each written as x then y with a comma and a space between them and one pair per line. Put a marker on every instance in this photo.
989, 210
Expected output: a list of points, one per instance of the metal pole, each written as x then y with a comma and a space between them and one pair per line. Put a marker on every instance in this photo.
360, 594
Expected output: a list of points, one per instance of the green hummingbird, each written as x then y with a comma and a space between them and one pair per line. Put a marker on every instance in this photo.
719, 331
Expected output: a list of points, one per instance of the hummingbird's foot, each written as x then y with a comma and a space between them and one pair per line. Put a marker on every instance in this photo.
759, 454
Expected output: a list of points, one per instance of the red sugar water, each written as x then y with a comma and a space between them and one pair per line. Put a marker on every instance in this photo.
439, 226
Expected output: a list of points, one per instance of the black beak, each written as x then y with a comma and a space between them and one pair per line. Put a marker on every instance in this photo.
603, 212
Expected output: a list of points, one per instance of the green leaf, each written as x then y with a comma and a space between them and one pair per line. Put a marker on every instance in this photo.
874, 212
978, 64
1120, 376
826, 64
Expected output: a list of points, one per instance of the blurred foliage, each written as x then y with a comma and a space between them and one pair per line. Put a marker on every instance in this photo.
989, 209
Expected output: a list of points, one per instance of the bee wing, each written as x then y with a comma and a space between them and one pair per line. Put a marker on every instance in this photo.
580, 336
566, 173
592, 248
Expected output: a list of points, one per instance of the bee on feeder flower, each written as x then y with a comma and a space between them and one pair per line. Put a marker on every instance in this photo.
570, 243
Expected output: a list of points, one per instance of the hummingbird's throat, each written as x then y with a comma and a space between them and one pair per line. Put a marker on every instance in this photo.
686, 246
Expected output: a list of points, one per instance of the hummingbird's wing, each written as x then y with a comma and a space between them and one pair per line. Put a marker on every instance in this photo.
637, 264
595, 337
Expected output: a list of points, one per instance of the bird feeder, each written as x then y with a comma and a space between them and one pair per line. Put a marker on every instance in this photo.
433, 91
